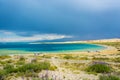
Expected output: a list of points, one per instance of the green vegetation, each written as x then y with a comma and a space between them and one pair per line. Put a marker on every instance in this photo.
83, 58
73, 66
46, 56
13, 67
116, 59
68, 57
9, 68
114, 44
4, 57
100, 58
99, 68
20, 63
2, 62
27, 70
41, 79
109, 77
53, 68
21, 58
36, 67
2, 74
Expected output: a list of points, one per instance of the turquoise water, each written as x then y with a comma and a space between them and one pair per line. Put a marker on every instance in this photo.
19, 48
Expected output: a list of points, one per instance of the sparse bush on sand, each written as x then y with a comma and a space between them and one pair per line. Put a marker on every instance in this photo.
99, 67
109, 77
25, 69
116, 59
68, 57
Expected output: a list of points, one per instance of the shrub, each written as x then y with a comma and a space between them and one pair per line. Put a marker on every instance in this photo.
26, 69
99, 68
20, 63
36, 67
9, 61
31, 74
4, 57
3, 62
84, 58
40, 79
8, 66
46, 56
68, 57
21, 58
9, 69
2, 74
100, 58
109, 77
116, 59
53, 68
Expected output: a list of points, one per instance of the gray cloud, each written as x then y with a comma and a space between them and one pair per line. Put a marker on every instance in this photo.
71, 17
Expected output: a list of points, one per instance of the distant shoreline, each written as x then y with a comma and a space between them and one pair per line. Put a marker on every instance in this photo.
75, 42
106, 48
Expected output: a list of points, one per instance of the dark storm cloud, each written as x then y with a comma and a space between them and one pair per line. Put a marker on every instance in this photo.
84, 19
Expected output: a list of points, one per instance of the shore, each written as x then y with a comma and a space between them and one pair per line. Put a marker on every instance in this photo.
107, 50
67, 65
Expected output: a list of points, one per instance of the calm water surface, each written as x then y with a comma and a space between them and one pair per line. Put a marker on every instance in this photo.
26, 47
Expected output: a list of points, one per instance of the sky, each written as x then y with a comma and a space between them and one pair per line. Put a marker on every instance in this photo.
58, 20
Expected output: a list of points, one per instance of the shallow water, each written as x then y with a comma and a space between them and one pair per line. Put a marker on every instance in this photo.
15, 48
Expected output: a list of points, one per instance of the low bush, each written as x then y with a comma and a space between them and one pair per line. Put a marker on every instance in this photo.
109, 77
99, 68
9, 61
53, 68
21, 58
26, 69
83, 58
100, 58
46, 56
20, 62
68, 57
116, 59
9, 69
2, 74
30, 74
4, 57
41, 79
8, 66
3, 62
36, 67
